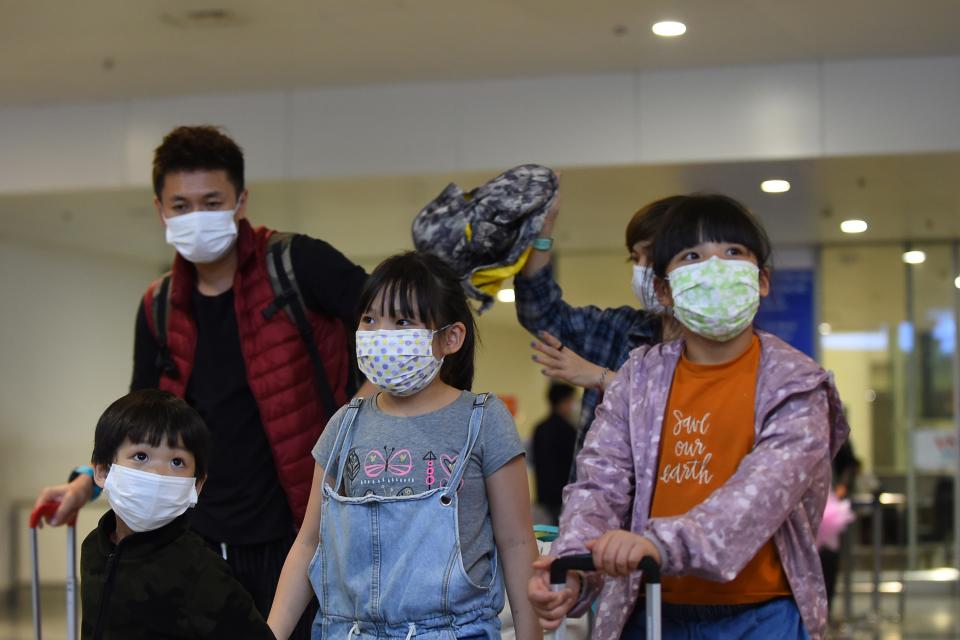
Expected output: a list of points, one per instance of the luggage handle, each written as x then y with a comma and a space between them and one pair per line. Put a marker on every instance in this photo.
47, 510
584, 562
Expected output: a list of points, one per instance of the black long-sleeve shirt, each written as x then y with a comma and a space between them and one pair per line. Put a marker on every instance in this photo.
242, 501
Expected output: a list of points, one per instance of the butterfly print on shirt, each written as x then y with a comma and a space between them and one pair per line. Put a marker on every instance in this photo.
392, 461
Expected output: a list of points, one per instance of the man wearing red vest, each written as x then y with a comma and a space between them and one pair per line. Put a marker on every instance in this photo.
243, 366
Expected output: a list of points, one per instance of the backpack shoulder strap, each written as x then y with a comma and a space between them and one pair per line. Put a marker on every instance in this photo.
157, 307
287, 296
283, 281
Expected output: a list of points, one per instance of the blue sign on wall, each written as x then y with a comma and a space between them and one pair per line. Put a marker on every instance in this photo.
788, 311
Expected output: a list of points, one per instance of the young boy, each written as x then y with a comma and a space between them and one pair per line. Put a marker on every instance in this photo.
144, 574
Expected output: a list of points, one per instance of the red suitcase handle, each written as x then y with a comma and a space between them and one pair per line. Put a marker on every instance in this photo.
46, 510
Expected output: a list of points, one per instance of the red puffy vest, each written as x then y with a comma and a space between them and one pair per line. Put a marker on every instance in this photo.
279, 369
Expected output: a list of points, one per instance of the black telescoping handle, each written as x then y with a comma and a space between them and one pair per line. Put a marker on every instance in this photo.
584, 562
560, 566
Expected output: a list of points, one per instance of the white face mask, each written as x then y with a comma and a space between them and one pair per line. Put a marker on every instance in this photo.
202, 236
147, 501
716, 298
399, 361
642, 285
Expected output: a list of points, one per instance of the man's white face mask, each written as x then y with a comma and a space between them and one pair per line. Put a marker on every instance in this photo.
203, 236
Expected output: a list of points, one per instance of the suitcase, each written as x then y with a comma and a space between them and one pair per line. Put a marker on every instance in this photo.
47, 510
584, 562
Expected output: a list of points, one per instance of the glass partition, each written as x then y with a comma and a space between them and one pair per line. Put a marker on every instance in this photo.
888, 333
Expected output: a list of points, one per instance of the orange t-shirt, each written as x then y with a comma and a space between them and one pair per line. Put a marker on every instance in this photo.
707, 431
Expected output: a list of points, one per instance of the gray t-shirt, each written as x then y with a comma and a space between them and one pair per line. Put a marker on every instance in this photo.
395, 455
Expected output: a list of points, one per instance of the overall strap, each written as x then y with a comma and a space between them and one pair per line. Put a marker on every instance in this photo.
476, 418
342, 442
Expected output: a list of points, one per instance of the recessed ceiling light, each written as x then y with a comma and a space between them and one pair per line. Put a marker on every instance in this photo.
914, 257
506, 295
853, 226
669, 29
775, 186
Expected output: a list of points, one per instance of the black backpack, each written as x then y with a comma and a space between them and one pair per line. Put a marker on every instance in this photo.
286, 296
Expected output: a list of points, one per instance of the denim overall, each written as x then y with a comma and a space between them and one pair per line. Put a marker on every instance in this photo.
390, 567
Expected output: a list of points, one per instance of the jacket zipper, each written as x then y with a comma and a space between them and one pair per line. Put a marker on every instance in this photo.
112, 561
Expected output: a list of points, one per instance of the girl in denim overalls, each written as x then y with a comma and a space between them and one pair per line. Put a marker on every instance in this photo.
405, 540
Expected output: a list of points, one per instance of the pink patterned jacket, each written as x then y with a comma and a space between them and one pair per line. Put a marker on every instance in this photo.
779, 489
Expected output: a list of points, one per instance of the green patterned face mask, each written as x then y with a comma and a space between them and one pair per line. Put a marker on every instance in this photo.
716, 298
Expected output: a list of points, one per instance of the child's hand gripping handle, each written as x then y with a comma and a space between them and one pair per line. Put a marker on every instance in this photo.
584, 562
46, 511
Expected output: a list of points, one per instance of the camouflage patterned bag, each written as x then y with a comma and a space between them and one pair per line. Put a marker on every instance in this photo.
487, 228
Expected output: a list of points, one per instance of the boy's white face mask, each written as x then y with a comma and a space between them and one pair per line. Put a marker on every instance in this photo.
147, 501
643, 288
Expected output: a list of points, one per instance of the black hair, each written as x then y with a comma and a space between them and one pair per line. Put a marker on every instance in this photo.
645, 223
421, 285
708, 218
558, 392
148, 416
197, 148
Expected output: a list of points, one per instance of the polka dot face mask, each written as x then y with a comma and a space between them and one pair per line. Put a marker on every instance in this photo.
399, 361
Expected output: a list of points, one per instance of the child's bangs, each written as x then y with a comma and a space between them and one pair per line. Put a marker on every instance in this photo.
699, 219
153, 433
406, 288
158, 424
401, 299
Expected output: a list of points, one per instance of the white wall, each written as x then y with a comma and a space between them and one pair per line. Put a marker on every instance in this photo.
733, 113
66, 338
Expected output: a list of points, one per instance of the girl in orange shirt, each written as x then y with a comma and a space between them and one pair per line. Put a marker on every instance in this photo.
710, 453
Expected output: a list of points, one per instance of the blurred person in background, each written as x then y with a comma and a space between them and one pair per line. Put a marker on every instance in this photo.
553, 442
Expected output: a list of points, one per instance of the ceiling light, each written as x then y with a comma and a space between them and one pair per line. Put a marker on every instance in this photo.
825, 329
775, 186
506, 295
853, 226
914, 257
669, 29
956, 282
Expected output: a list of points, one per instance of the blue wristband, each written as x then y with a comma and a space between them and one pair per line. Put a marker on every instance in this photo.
542, 244
87, 469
